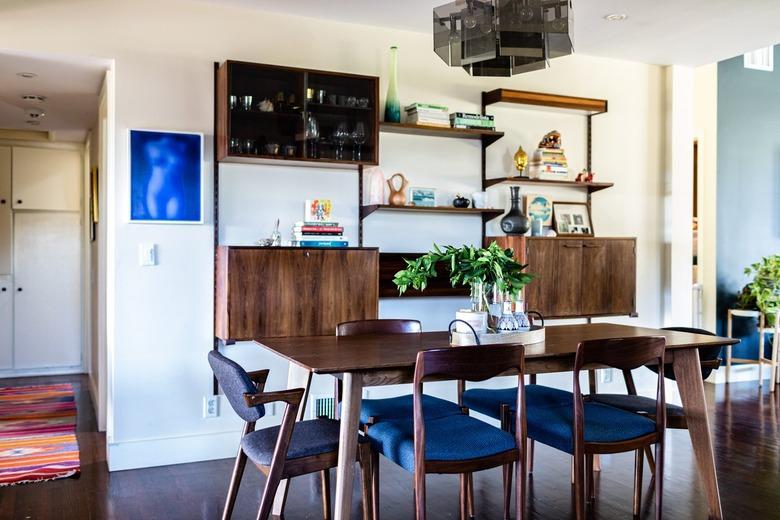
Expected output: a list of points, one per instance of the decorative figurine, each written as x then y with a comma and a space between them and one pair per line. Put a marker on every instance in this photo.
551, 139
585, 176
397, 196
521, 160
460, 201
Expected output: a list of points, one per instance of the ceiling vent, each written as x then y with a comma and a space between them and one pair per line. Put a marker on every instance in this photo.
33, 98
761, 59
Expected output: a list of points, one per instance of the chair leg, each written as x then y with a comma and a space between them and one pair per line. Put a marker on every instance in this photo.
579, 487
271, 485
650, 459
325, 477
419, 495
507, 479
235, 479
659, 479
367, 472
590, 477
638, 467
470, 496
375, 484
530, 455
464, 493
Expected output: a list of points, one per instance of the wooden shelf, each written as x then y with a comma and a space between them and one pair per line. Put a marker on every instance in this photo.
294, 161
486, 213
590, 186
487, 136
586, 106
328, 107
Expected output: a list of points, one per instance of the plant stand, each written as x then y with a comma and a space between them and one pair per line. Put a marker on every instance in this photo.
774, 374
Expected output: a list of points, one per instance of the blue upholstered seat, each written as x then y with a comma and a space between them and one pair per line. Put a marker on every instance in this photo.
488, 401
554, 426
450, 438
308, 438
400, 408
636, 404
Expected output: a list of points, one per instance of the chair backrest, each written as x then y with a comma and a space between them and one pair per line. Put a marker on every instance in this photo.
624, 354
235, 382
705, 353
355, 328
466, 364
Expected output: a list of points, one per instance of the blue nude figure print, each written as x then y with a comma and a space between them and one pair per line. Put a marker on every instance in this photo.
165, 176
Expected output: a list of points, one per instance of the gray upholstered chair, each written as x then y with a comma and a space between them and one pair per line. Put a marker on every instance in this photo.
285, 451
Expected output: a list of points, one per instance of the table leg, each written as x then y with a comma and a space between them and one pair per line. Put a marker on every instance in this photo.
687, 370
348, 437
297, 377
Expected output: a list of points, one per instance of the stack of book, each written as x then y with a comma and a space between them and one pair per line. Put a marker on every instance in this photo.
426, 114
466, 120
318, 234
549, 162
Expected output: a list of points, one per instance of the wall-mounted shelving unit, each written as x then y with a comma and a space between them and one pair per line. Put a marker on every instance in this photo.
488, 213
592, 187
487, 136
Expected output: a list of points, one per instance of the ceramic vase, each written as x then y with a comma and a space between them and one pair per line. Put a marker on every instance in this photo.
392, 103
515, 222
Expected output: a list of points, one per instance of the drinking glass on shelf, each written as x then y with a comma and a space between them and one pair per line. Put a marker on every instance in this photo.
358, 138
311, 134
340, 137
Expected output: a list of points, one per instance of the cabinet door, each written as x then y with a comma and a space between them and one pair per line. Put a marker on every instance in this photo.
46, 179
6, 221
6, 323
609, 277
568, 279
47, 294
622, 276
540, 293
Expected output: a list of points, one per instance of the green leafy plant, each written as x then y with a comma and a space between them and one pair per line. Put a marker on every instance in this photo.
763, 291
466, 266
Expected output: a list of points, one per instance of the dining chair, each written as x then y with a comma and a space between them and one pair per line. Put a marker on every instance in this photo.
709, 358
373, 411
289, 450
583, 428
456, 444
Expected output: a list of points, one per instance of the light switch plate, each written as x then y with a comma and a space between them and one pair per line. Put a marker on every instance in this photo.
147, 254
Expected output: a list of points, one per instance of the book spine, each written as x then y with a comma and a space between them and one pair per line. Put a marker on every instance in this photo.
321, 243
318, 238
318, 229
317, 223
465, 115
474, 123
428, 106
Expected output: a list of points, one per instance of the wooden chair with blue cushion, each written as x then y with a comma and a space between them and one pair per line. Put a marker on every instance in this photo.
583, 428
285, 451
456, 444
675, 417
373, 411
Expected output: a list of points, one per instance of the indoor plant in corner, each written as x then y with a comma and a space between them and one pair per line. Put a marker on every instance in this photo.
763, 291
492, 273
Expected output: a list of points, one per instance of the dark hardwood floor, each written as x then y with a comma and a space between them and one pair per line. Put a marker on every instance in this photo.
746, 424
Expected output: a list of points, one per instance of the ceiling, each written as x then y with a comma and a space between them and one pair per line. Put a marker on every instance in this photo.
679, 32
71, 87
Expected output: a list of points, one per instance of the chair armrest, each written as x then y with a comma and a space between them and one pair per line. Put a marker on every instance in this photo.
259, 378
292, 397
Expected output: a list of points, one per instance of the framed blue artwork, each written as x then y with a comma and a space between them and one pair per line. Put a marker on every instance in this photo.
166, 177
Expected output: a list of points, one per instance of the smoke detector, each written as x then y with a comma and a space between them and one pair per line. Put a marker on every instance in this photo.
33, 98
34, 114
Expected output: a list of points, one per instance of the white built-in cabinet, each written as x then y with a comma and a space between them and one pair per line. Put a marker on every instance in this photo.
40, 259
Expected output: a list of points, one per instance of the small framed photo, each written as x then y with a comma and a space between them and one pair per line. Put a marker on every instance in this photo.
572, 219
425, 197
166, 177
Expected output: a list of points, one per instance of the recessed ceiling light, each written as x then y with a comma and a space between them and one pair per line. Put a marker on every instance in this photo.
35, 98
27, 75
33, 123
615, 17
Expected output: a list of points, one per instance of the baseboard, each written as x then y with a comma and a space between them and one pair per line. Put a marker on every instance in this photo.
739, 373
147, 453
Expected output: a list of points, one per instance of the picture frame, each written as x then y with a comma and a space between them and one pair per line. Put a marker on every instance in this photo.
166, 177
539, 207
424, 197
572, 219
318, 210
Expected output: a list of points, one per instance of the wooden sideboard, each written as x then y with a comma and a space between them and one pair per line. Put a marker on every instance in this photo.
292, 291
578, 277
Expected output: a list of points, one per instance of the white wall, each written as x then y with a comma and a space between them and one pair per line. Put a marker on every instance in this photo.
160, 321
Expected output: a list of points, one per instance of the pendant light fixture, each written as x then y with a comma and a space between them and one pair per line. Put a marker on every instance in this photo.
502, 37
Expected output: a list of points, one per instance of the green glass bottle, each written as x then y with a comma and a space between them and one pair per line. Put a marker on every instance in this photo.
392, 103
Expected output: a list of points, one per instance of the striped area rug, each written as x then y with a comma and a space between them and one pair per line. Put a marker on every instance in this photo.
37, 434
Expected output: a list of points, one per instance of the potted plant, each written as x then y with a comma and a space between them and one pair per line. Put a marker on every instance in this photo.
485, 271
763, 291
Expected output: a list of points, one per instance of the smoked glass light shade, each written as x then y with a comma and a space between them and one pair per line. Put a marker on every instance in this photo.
502, 37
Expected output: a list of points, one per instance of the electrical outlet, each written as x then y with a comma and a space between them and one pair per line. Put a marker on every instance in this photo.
605, 375
210, 406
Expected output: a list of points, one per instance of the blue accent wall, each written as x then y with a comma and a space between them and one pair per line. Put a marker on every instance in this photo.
748, 222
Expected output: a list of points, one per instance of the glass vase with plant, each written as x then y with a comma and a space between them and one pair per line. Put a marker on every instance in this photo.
763, 291
486, 271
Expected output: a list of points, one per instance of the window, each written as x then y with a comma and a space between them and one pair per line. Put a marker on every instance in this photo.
760, 59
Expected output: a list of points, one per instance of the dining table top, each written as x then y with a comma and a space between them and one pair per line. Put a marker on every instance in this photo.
372, 352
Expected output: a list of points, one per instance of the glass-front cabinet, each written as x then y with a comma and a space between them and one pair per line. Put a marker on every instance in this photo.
269, 112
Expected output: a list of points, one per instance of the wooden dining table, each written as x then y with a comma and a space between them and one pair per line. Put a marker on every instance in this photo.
388, 359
